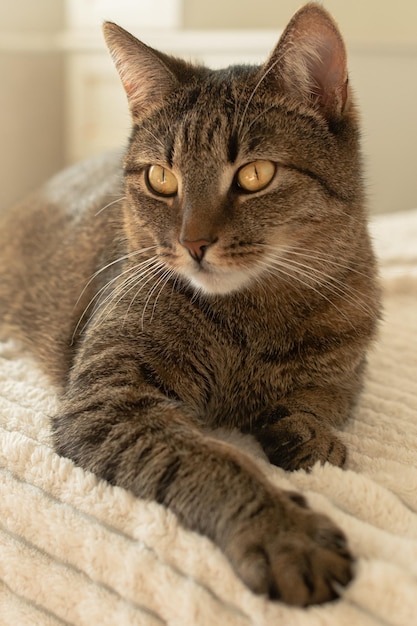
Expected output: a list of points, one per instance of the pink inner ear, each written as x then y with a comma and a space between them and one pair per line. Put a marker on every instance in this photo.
310, 60
145, 77
328, 70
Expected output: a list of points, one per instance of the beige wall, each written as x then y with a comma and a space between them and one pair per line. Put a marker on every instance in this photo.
28, 16
31, 96
361, 20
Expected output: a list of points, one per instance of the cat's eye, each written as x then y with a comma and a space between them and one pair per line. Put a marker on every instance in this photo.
255, 176
161, 180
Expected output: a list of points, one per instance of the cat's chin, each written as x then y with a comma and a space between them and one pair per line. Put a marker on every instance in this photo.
212, 282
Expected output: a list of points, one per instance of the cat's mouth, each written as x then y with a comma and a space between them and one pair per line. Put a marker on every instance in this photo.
214, 280
214, 271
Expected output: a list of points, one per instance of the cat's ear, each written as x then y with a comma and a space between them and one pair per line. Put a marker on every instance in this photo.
146, 79
309, 61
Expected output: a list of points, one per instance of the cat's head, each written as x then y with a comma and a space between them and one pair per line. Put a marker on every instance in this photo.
231, 171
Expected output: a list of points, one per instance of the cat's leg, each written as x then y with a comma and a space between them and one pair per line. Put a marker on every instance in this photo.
300, 430
129, 433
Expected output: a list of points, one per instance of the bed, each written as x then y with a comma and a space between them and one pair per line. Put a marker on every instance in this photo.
74, 550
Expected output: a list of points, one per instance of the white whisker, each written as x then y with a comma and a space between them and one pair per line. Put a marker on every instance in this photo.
255, 89
350, 294
149, 274
162, 279
109, 205
112, 300
156, 138
316, 255
108, 284
274, 266
255, 119
118, 260
136, 271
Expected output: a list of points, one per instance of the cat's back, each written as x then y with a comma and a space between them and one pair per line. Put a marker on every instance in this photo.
69, 196
51, 244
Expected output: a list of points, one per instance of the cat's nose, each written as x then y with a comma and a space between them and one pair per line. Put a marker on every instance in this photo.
197, 248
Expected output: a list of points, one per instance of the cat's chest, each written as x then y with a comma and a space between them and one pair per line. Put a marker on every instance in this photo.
225, 370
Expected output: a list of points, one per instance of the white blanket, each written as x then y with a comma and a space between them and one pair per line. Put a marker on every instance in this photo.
74, 550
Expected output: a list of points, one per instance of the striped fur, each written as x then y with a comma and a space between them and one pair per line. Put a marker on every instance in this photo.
263, 326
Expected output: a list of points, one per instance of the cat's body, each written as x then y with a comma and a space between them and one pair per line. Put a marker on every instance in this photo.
52, 241
230, 283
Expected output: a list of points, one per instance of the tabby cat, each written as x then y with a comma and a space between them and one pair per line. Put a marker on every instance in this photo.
220, 276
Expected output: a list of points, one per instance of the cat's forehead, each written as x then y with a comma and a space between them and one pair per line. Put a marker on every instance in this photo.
212, 118
227, 117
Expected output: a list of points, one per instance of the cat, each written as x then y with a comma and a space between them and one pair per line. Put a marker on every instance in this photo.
220, 275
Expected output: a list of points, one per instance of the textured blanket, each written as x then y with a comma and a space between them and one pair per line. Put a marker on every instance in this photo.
74, 550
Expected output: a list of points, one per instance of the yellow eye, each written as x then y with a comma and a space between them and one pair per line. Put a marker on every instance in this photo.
162, 181
256, 176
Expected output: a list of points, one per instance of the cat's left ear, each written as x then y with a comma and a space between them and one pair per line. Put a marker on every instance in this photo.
146, 78
310, 62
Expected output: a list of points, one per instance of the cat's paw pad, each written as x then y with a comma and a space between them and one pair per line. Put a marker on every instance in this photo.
307, 564
299, 440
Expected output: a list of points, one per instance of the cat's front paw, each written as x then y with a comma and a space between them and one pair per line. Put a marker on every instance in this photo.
299, 440
307, 563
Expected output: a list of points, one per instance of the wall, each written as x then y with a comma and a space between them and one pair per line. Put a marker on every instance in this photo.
31, 95
361, 20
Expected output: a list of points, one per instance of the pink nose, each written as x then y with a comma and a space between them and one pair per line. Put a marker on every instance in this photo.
196, 248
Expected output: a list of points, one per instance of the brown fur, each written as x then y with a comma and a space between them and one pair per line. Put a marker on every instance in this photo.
267, 334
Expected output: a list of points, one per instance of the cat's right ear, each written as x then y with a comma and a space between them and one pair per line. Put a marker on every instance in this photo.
145, 77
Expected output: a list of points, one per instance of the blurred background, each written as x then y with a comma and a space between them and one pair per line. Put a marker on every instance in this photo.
61, 100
